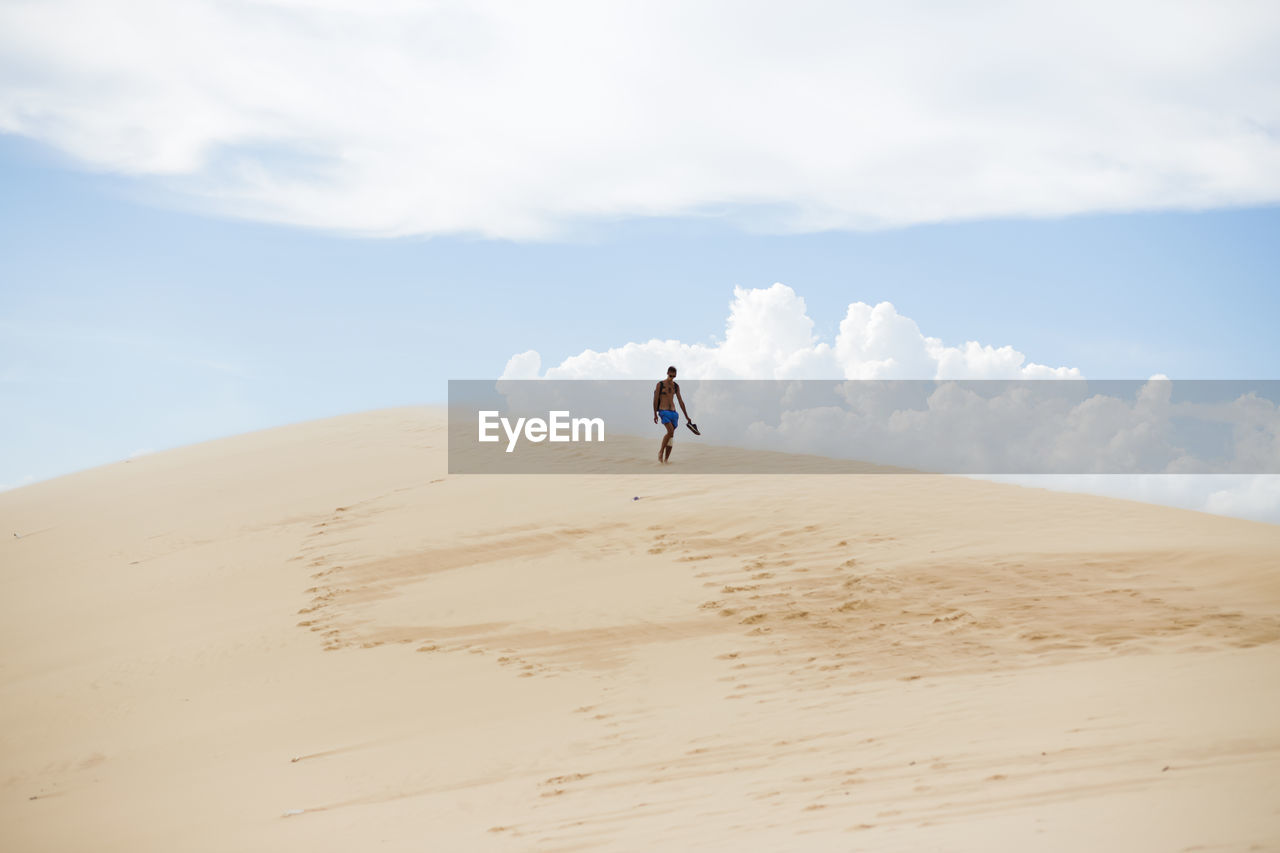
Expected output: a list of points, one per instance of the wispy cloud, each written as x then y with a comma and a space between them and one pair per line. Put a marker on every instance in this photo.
520, 119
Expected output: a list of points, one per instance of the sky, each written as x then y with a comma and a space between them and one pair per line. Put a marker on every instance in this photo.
218, 217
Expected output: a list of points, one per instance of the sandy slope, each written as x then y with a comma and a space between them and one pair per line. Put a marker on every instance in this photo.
312, 638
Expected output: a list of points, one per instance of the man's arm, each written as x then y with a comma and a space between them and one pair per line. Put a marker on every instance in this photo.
657, 389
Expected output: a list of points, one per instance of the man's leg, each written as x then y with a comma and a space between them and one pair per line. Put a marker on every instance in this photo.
669, 442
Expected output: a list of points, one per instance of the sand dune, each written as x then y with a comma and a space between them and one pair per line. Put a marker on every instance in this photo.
313, 638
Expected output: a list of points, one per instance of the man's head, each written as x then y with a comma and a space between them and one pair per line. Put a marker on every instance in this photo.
671, 373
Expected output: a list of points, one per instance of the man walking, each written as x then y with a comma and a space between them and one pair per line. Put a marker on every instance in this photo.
665, 396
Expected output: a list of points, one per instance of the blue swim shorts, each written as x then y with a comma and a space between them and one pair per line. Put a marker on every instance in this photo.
669, 417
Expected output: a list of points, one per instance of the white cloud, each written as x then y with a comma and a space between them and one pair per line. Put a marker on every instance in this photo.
769, 335
1252, 496
519, 119
523, 365
1257, 498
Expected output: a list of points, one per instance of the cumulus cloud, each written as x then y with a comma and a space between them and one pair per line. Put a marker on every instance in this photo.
519, 120
769, 335
524, 365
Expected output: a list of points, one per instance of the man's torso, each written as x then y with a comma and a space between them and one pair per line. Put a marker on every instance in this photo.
667, 395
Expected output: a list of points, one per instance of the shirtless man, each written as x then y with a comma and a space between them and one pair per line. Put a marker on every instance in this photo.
665, 396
